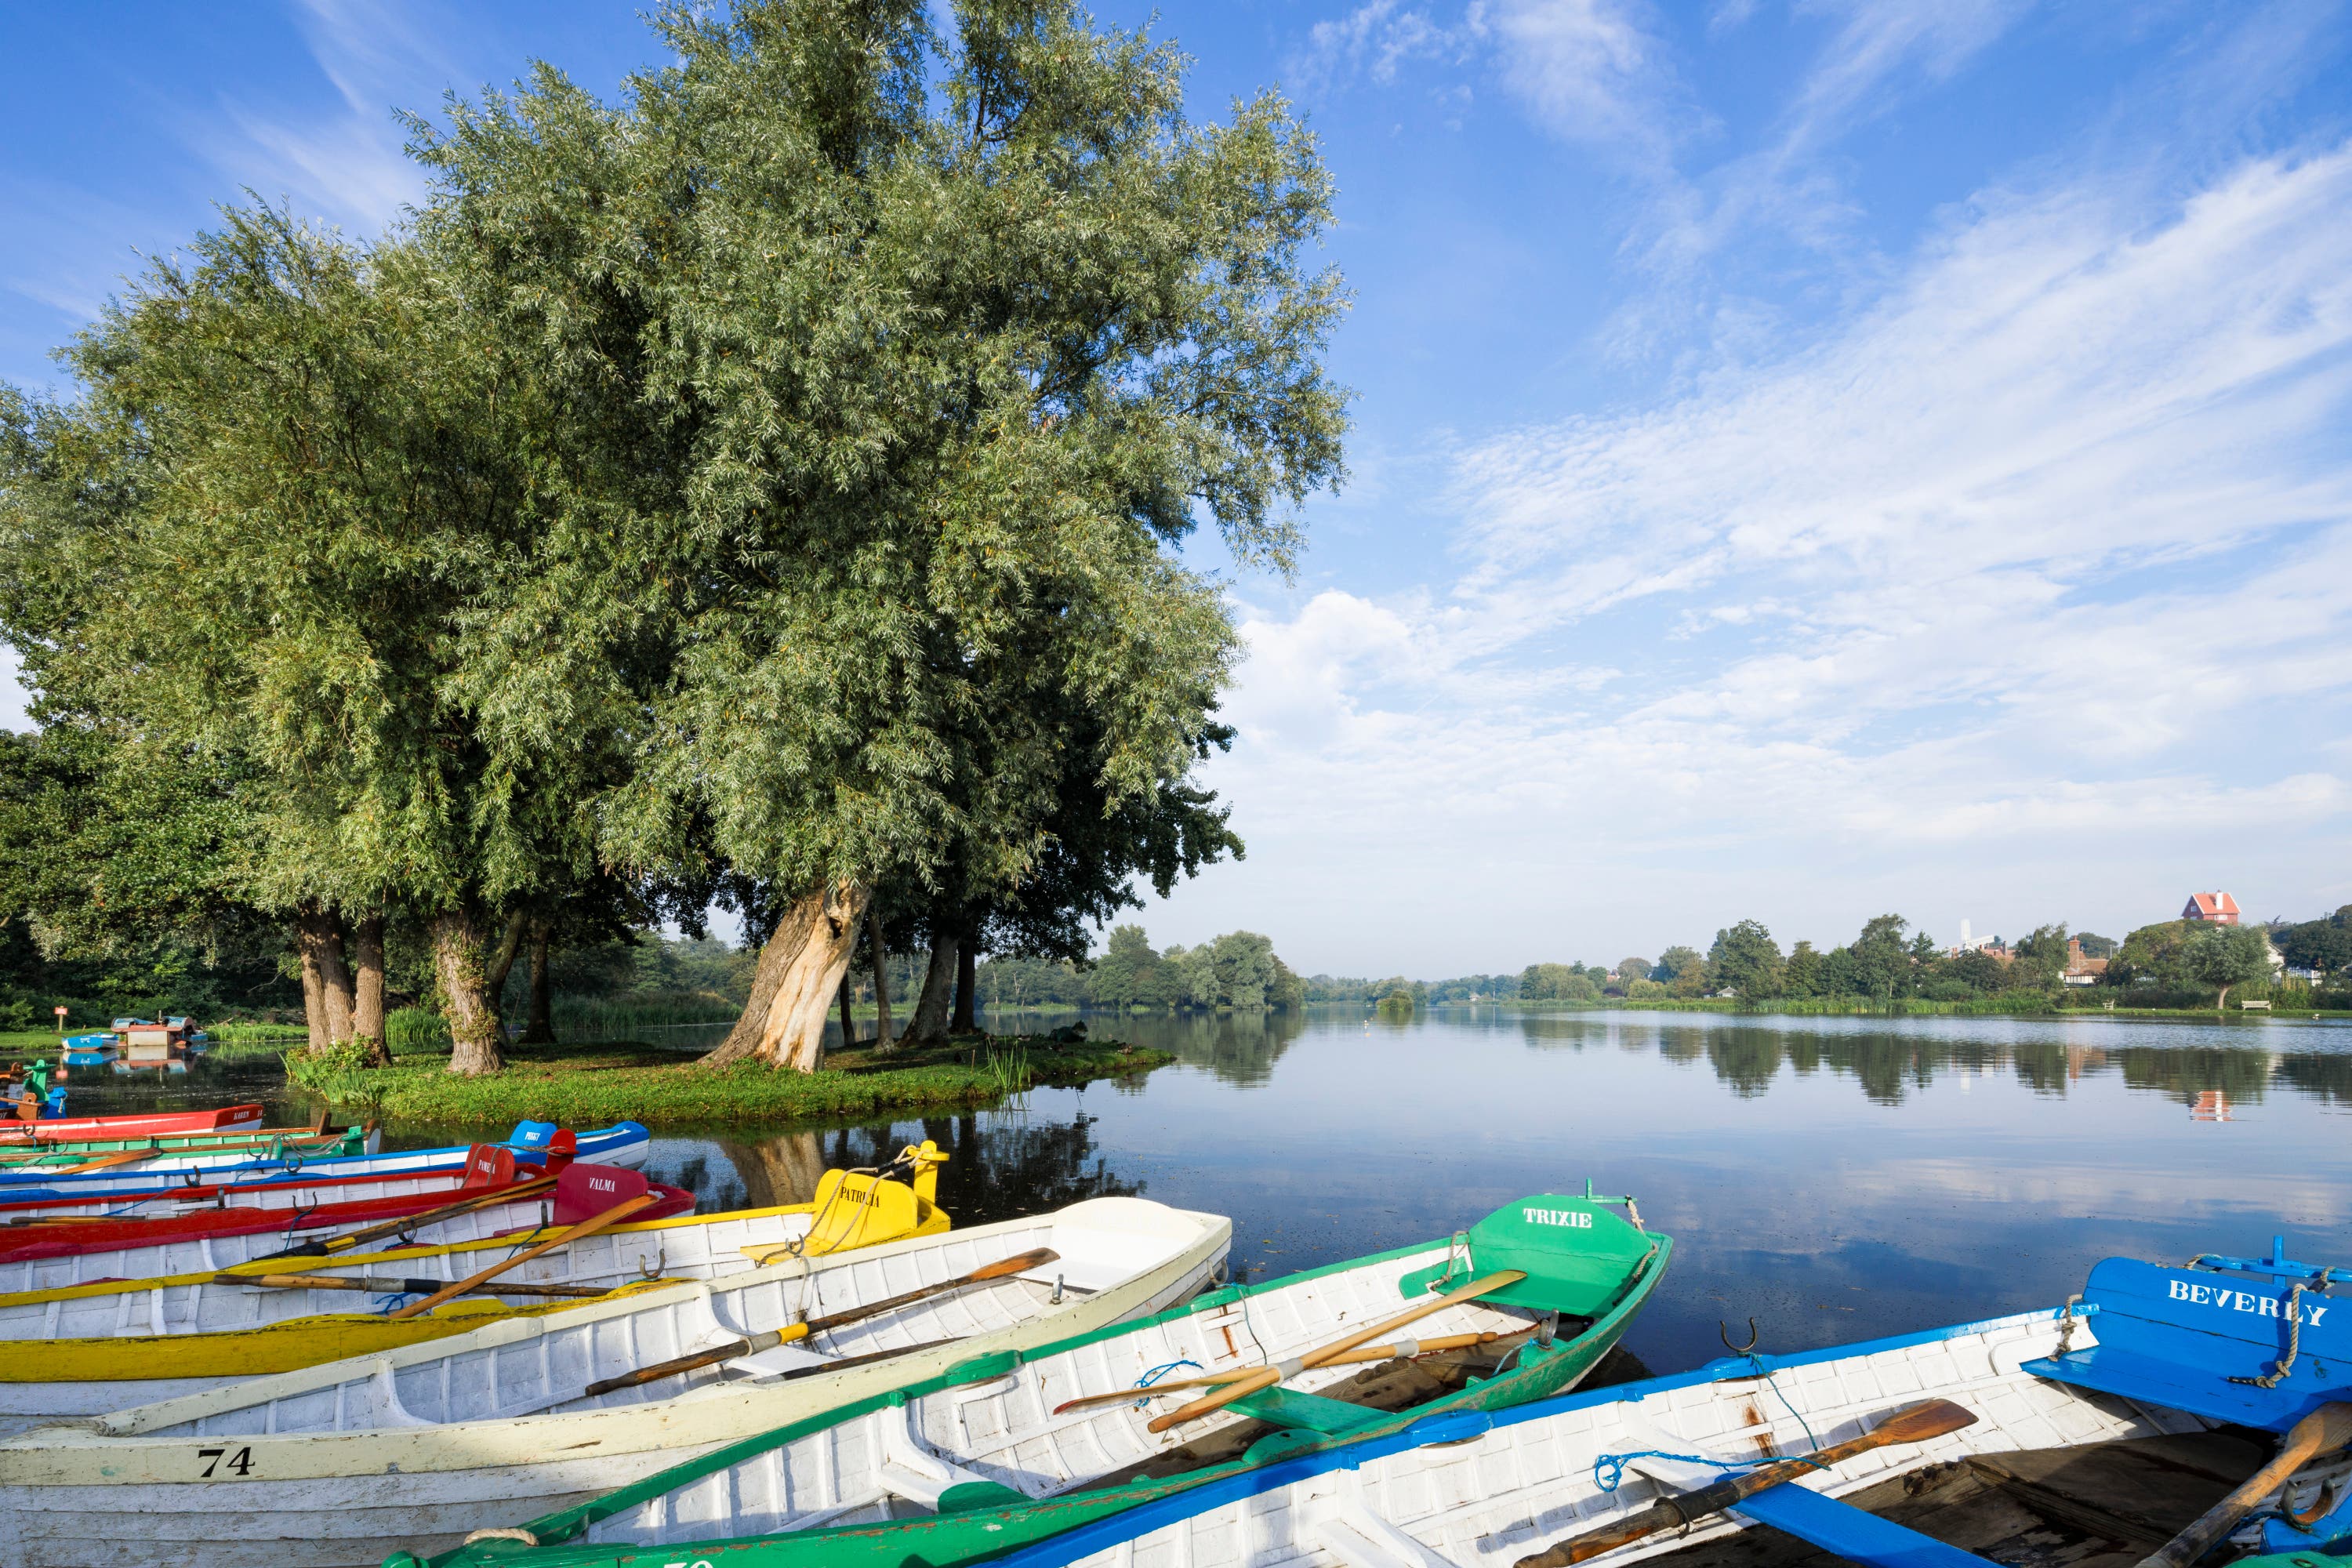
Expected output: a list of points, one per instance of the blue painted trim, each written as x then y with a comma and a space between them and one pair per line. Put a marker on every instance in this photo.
1852, 1533
1129, 1524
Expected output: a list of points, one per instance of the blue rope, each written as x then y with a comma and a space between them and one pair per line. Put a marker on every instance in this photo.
1758, 1362
1609, 1469
1163, 1369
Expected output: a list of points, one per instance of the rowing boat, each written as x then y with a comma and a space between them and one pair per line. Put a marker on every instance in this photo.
95, 1348
66, 1226
117, 1343
1000, 1451
138, 1124
2100, 1428
624, 1145
194, 1150
849, 1209
428, 1443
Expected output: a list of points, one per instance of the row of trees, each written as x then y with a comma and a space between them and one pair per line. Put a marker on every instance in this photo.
1886, 960
764, 488
1238, 971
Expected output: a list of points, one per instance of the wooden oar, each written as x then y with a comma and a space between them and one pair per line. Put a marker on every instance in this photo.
2326, 1429
586, 1227
1913, 1423
1232, 1373
1324, 1354
809, 1328
496, 1196
385, 1285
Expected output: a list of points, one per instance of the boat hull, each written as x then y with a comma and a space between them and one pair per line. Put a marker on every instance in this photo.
141, 1124
80, 1495
624, 1145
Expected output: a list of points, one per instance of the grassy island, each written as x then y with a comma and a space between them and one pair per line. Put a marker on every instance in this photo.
597, 1085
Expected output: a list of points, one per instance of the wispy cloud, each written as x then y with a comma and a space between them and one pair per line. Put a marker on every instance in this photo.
1990, 566
345, 162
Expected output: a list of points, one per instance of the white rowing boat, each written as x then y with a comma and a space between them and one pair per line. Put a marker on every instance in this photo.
329, 1464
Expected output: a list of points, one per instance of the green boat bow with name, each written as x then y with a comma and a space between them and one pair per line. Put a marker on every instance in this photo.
1000, 1452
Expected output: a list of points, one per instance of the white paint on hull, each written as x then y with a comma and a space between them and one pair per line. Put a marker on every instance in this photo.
343, 1463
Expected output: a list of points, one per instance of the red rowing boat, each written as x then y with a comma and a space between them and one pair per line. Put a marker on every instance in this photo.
143, 1124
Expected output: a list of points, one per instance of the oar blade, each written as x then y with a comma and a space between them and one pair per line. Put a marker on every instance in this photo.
1918, 1423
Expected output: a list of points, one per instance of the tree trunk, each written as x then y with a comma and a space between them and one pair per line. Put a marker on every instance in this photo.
801, 970
784, 1169
848, 1013
540, 1029
458, 957
499, 964
367, 988
938, 997
883, 1043
966, 1020
320, 937
314, 990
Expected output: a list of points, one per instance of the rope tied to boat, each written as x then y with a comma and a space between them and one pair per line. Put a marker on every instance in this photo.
2284, 1367
1609, 1469
1163, 1370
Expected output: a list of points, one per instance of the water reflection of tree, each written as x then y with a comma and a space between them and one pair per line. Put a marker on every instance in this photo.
1238, 1047
2327, 1079
1746, 1059
1004, 1167
2183, 1075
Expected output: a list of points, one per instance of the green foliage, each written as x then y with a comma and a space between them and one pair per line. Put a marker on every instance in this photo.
2039, 961
1559, 983
1682, 971
2324, 944
1397, 1003
1238, 970
894, 362
2226, 956
1747, 961
2154, 955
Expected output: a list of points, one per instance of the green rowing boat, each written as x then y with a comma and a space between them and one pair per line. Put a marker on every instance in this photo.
1003, 1450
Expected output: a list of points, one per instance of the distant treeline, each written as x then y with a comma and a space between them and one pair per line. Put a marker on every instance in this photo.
2170, 964
1238, 970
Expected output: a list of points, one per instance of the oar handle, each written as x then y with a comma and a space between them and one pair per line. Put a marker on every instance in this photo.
730, 1351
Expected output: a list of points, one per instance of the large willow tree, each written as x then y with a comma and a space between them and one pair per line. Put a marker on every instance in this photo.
890, 364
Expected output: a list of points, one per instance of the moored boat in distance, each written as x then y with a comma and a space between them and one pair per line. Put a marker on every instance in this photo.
137, 1124
2079, 1436
997, 1451
339, 1463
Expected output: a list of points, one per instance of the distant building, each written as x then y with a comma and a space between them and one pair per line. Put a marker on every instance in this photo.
2219, 907
2081, 970
1968, 944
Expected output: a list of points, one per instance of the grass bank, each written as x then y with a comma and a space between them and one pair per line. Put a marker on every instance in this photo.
586, 1086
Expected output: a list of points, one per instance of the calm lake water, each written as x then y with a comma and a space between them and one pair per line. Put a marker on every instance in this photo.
1832, 1178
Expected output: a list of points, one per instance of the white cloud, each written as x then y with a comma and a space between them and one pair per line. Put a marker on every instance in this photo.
2025, 562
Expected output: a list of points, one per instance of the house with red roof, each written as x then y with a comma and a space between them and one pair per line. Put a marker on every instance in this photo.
2219, 907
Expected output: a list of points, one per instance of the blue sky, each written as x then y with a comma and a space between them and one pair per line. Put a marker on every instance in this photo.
1811, 460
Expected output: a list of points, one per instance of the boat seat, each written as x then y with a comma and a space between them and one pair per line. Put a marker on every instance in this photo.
1851, 1532
1288, 1408
911, 1468
2178, 1337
